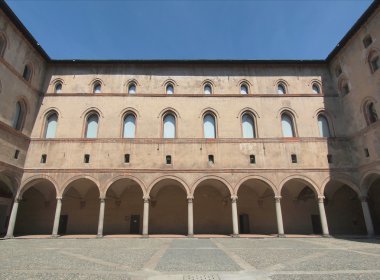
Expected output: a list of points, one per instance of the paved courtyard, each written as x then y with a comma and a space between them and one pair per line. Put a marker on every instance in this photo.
190, 259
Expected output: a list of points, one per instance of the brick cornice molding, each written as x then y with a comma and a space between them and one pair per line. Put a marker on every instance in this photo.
13, 131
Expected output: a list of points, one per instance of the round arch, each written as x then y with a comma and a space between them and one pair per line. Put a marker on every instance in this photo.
31, 181
121, 177
255, 177
66, 187
211, 177
341, 178
170, 177
309, 181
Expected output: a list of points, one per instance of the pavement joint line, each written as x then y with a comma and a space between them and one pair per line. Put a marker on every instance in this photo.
238, 260
94, 260
331, 272
154, 260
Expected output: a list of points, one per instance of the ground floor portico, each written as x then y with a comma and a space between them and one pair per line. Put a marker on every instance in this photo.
171, 205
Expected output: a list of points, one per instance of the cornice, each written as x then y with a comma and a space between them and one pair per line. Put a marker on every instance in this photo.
13, 131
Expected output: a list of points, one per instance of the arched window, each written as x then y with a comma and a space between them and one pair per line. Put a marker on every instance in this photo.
169, 126
18, 120
51, 125
92, 122
27, 74
316, 88
371, 114
207, 89
244, 89
169, 89
248, 126
281, 88
58, 87
344, 87
132, 88
324, 128
209, 126
129, 129
97, 88
3, 44
374, 62
287, 125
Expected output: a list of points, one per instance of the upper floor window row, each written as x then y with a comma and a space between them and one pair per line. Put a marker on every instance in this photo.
208, 87
169, 124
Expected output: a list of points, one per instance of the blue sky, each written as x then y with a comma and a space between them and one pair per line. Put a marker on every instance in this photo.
179, 29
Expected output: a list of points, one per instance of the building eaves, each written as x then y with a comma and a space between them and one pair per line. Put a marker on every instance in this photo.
21, 27
355, 28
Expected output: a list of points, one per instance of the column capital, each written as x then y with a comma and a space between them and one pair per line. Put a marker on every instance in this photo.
146, 199
18, 199
59, 198
278, 198
234, 198
363, 198
190, 199
321, 198
102, 199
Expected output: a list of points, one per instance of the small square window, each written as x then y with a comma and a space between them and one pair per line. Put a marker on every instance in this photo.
126, 158
294, 158
86, 158
367, 41
211, 159
252, 159
17, 153
168, 159
43, 158
329, 158
366, 152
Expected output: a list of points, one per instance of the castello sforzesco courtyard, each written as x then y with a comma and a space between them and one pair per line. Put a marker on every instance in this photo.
189, 168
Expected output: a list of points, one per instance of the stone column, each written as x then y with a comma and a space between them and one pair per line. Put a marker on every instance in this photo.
12, 219
101, 217
367, 216
322, 214
280, 225
190, 219
57, 217
235, 225
146, 217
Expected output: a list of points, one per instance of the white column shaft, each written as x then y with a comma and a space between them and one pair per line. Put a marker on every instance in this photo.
280, 225
57, 217
190, 221
235, 225
101, 217
12, 220
146, 217
367, 218
322, 214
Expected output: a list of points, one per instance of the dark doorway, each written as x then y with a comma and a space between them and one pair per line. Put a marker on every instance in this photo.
63, 224
316, 222
135, 224
244, 223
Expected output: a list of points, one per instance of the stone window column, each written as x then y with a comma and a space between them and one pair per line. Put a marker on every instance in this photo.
57, 217
146, 217
322, 214
367, 216
190, 217
235, 225
12, 219
101, 217
280, 225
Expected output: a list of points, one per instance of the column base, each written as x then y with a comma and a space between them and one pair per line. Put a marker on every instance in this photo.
145, 236
55, 236
99, 235
235, 235
281, 235
326, 235
9, 237
190, 235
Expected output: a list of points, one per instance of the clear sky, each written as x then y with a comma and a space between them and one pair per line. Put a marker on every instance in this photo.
192, 29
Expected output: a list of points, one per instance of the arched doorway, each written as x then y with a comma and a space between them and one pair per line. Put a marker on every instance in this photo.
37, 208
372, 181
212, 208
6, 199
300, 208
80, 208
343, 209
168, 208
256, 208
123, 208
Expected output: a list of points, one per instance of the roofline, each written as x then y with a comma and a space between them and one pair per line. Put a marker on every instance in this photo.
358, 24
21, 27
